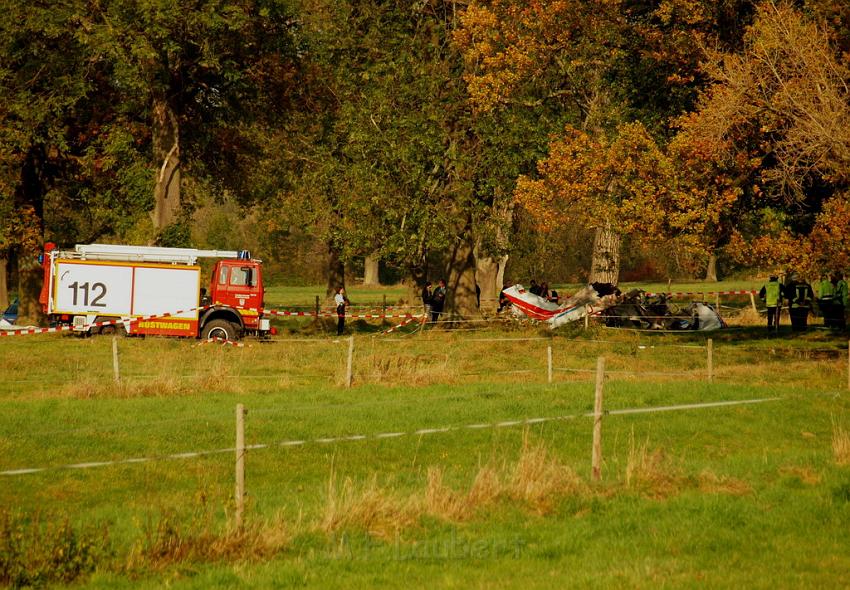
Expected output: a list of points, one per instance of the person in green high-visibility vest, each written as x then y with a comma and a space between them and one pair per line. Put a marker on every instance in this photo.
772, 294
826, 303
840, 300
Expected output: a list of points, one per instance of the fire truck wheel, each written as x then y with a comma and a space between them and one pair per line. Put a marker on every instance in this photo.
220, 329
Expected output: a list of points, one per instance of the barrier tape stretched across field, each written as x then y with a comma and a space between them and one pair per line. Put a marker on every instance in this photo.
704, 293
27, 331
356, 316
385, 435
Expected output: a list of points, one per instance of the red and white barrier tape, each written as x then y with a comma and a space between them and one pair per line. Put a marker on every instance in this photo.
375, 316
401, 325
87, 327
221, 341
691, 293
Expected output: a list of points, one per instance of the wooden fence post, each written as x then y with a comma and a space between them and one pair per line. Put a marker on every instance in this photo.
349, 369
586, 317
317, 308
549, 363
710, 360
116, 369
384, 309
597, 420
240, 465
753, 302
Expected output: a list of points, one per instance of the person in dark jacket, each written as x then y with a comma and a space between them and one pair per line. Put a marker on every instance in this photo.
341, 302
426, 297
800, 296
438, 300
504, 302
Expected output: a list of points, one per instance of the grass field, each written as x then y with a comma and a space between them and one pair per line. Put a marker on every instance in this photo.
753, 495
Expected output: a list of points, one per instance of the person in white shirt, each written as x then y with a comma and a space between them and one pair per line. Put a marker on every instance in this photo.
341, 302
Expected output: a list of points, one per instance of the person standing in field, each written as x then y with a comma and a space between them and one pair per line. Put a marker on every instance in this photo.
426, 297
772, 294
341, 302
438, 300
841, 300
800, 296
826, 297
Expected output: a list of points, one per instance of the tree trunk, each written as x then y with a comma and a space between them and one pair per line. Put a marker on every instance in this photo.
605, 265
489, 274
30, 279
371, 266
500, 274
711, 270
30, 196
166, 154
4, 285
336, 271
413, 282
462, 302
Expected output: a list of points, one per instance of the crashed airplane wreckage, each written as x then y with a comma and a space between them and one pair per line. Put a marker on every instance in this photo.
634, 309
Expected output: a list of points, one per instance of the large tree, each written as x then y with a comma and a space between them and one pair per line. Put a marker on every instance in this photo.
195, 76
105, 102
596, 65
389, 160
776, 121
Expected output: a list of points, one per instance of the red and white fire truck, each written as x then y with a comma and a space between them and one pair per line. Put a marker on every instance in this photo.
153, 290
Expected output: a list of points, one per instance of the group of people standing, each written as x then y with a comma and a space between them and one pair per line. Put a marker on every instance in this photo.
542, 290
434, 299
832, 301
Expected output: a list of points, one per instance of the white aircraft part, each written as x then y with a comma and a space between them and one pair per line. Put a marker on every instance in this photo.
528, 304
708, 318
575, 308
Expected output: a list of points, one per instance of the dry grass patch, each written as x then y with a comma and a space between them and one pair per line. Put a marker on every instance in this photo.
537, 480
711, 483
840, 444
406, 369
540, 480
652, 473
443, 502
371, 507
805, 475
169, 542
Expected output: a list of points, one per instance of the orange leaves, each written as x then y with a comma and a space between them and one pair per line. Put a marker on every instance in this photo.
824, 249
628, 182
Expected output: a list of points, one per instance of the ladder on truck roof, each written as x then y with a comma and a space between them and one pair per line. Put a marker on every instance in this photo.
153, 253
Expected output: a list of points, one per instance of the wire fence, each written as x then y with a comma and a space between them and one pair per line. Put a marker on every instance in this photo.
349, 438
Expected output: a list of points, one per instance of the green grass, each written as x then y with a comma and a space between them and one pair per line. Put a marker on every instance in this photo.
285, 296
783, 525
